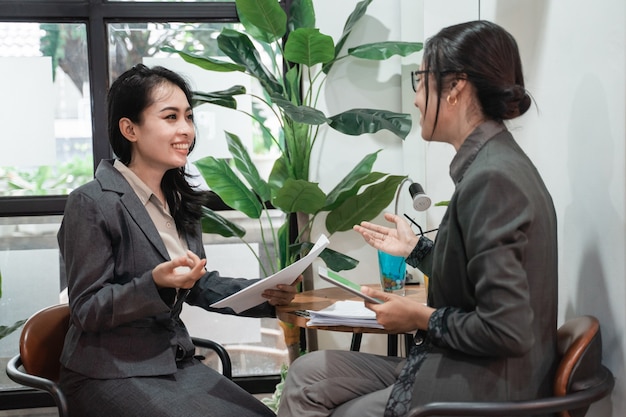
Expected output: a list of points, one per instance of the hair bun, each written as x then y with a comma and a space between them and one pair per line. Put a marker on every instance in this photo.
516, 101
524, 103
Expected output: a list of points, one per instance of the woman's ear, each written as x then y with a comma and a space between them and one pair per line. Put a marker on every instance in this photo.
127, 127
458, 85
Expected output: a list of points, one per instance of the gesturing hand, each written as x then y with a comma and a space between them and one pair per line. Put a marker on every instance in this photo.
181, 272
399, 241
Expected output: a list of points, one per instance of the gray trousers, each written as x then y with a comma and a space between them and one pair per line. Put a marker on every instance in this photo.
338, 383
195, 390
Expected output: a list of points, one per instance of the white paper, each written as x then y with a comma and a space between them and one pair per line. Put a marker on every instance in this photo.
251, 296
344, 313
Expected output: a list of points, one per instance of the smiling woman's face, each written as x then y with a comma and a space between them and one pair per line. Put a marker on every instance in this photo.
165, 133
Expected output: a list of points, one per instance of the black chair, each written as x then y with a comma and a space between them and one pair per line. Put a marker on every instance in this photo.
41, 342
580, 380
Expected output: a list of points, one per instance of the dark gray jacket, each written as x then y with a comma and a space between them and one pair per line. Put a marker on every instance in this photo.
493, 268
121, 324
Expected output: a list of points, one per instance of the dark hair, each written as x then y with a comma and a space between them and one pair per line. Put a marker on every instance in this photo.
129, 95
487, 56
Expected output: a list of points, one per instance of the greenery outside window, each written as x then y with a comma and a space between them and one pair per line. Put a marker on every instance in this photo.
49, 151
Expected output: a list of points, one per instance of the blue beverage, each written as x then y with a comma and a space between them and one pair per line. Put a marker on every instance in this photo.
392, 272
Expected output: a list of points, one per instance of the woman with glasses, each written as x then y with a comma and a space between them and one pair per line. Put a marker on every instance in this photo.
488, 331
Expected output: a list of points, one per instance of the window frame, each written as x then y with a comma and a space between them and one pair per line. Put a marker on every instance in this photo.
96, 15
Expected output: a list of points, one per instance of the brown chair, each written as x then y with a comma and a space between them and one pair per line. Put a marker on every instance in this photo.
41, 342
580, 380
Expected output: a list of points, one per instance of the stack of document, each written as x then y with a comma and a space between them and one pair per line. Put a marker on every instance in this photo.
344, 313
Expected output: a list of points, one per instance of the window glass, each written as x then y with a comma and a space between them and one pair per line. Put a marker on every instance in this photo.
46, 107
30, 265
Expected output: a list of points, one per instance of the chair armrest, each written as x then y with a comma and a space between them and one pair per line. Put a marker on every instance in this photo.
571, 401
227, 367
15, 373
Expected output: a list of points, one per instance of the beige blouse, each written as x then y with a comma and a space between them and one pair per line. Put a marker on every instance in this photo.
159, 213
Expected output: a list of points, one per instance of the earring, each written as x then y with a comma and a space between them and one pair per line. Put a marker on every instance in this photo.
450, 102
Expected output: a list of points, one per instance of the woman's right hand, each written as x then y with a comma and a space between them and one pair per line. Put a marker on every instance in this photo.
399, 241
181, 272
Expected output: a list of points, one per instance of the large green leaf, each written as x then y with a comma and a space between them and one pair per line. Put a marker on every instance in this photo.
7, 330
293, 85
301, 15
336, 261
370, 178
299, 196
259, 34
279, 174
380, 51
221, 98
308, 47
358, 121
206, 63
301, 114
363, 207
298, 144
238, 47
265, 15
225, 183
246, 167
361, 169
214, 223
283, 244
355, 16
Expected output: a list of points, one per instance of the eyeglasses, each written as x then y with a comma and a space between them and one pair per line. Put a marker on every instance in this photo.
416, 75
415, 78
419, 227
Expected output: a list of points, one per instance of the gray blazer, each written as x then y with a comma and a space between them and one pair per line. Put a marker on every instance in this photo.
122, 325
494, 268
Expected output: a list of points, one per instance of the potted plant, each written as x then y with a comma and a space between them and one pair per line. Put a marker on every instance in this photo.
290, 92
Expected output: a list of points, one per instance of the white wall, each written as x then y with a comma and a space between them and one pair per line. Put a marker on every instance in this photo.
574, 52
354, 83
574, 55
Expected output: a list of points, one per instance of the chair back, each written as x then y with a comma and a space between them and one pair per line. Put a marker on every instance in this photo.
42, 341
580, 347
580, 380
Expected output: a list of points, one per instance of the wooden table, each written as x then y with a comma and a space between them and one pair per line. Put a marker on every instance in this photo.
321, 298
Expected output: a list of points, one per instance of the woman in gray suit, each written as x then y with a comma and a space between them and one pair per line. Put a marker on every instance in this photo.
488, 331
131, 241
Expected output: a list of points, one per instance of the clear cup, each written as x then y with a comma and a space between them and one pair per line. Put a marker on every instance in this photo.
392, 273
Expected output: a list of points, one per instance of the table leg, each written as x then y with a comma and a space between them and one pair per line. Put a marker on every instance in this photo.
356, 342
408, 341
392, 344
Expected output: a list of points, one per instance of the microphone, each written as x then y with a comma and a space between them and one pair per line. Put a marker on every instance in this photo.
421, 201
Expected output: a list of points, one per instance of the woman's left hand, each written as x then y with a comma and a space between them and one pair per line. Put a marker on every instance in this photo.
398, 314
282, 294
